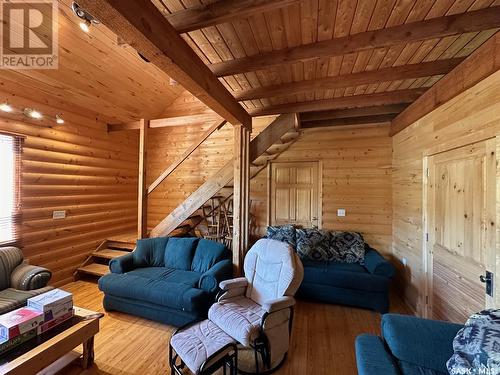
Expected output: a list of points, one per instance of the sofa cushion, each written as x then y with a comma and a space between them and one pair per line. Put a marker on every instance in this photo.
207, 254
149, 252
419, 344
314, 244
343, 275
157, 291
11, 299
347, 247
372, 358
179, 252
168, 274
283, 233
10, 258
411, 369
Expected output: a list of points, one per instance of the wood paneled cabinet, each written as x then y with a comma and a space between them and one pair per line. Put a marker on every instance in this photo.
295, 194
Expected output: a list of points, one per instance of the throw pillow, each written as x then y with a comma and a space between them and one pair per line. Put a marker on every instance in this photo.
347, 247
314, 244
149, 252
208, 253
179, 252
477, 346
283, 233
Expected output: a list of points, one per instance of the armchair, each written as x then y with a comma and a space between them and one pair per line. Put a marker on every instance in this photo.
257, 310
19, 281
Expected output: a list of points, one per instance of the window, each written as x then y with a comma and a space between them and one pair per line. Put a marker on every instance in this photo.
10, 176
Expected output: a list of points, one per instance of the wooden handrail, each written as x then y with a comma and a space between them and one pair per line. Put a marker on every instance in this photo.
172, 167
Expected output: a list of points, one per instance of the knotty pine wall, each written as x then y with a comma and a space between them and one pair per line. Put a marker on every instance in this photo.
356, 174
470, 117
80, 168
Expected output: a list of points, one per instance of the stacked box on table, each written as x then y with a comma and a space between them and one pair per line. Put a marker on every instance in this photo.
56, 306
53, 304
18, 340
18, 322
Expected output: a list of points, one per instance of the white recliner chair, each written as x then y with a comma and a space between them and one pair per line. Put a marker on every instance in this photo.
257, 310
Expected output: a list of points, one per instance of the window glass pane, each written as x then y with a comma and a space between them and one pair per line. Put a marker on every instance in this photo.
7, 188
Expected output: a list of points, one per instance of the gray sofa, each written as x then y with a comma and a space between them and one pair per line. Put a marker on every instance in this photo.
19, 281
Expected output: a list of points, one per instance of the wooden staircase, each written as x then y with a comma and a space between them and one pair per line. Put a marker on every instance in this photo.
97, 264
266, 146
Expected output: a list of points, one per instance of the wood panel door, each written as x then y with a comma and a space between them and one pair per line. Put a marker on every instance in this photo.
295, 194
461, 209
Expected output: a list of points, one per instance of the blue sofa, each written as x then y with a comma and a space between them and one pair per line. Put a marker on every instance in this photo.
170, 280
408, 346
353, 284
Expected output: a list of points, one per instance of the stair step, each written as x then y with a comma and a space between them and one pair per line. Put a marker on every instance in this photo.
109, 253
94, 269
120, 245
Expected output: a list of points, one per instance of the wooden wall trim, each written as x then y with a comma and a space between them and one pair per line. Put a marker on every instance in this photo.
479, 65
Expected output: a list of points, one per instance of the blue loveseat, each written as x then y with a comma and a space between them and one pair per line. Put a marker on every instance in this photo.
167, 279
363, 285
408, 346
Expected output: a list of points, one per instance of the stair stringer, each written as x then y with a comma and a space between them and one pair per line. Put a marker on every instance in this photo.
272, 134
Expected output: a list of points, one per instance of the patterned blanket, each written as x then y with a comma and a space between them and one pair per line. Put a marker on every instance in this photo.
477, 346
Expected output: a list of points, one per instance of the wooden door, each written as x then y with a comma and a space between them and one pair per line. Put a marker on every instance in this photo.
295, 194
461, 206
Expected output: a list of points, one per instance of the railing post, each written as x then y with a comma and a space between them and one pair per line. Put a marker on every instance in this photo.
142, 202
241, 195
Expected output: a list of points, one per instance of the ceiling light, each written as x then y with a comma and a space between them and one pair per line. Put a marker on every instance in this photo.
86, 19
32, 113
85, 25
59, 119
5, 107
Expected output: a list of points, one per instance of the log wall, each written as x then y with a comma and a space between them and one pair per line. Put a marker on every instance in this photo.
356, 174
80, 168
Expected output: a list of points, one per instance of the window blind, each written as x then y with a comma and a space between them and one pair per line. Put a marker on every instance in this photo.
10, 189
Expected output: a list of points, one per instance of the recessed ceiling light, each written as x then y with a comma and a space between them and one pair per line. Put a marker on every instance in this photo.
59, 119
32, 113
5, 107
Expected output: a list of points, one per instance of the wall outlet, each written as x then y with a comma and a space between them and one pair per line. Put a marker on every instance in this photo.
341, 212
58, 214
404, 261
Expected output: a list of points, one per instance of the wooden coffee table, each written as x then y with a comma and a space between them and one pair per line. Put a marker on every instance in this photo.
55, 350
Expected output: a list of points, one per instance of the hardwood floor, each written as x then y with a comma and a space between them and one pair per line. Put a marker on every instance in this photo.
322, 340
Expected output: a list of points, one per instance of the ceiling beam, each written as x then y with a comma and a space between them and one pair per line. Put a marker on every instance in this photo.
484, 19
480, 64
142, 25
361, 120
355, 101
353, 112
395, 73
167, 122
220, 12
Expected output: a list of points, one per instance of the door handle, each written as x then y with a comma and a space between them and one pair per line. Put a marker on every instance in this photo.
485, 279
488, 280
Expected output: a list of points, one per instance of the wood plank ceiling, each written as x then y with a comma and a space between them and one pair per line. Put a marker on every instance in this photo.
98, 76
239, 41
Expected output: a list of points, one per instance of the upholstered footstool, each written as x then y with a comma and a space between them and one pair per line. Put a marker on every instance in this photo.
203, 348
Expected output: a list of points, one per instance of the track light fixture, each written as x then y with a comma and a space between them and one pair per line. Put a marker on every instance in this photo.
6, 107
59, 120
32, 113
86, 19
